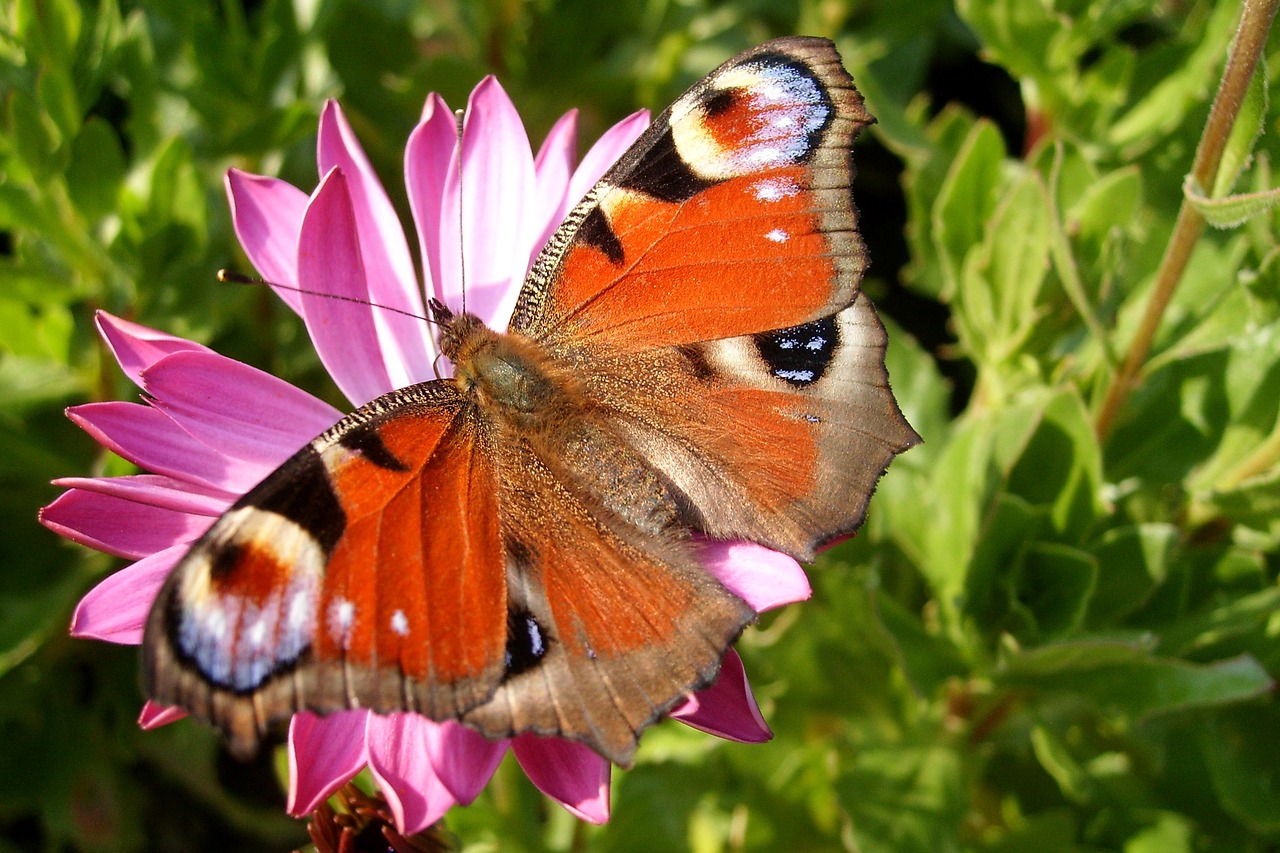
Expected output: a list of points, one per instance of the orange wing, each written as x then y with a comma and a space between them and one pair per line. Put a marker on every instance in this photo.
731, 215
366, 572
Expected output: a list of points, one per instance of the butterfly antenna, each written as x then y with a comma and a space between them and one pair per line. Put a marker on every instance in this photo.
459, 115
232, 277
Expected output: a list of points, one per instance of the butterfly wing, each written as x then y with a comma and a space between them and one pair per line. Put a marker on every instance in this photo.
609, 627
778, 437
367, 571
706, 292
731, 215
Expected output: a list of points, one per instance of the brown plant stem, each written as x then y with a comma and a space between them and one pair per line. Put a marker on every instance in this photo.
1246, 49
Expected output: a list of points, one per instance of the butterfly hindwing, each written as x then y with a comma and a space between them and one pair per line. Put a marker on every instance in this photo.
731, 215
778, 437
611, 627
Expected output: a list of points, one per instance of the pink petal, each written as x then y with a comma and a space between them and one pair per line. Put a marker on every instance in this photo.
116, 609
553, 166
118, 526
568, 772
266, 214
329, 262
324, 752
387, 264
238, 409
137, 347
398, 759
611, 145
427, 159
727, 708
157, 490
152, 441
497, 192
762, 577
462, 758
154, 716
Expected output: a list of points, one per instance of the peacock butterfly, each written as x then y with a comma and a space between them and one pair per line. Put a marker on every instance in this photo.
517, 546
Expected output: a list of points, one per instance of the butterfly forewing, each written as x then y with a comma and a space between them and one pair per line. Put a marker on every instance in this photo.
366, 572
731, 215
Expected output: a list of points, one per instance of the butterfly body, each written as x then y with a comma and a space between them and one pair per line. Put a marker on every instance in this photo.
520, 546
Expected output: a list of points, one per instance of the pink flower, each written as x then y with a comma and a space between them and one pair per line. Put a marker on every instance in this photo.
210, 427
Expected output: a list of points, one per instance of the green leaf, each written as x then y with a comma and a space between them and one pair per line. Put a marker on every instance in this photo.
18, 208
1242, 615
26, 383
1055, 757
1251, 392
57, 94
927, 660
1020, 35
52, 27
1008, 528
966, 482
1000, 283
1132, 561
1242, 751
35, 137
1184, 84
1171, 833
967, 199
1000, 478
1173, 423
1054, 586
925, 173
1109, 203
1060, 466
1233, 210
97, 169
904, 799
1044, 832
28, 617
1129, 680
922, 393
34, 334
1254, 504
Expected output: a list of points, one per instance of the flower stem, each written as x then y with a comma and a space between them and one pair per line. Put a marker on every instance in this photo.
1250, 40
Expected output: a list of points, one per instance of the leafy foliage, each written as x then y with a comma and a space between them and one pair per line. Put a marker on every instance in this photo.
1057, 632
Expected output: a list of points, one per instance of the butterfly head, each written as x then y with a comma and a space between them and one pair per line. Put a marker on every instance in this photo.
501, 370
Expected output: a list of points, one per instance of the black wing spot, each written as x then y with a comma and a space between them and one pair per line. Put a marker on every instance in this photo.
663, 174
223, 559
596, 231
526, 642
366, 441
697, 361
720, 102
301, 492
800, 355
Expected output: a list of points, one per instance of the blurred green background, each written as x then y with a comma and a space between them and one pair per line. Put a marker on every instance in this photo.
1043, 639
